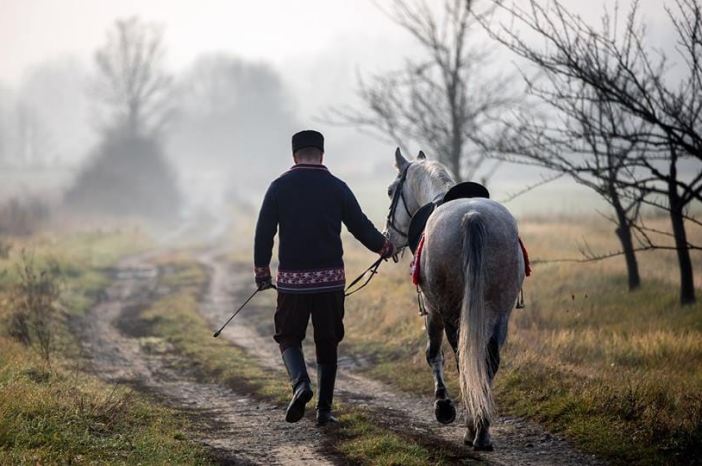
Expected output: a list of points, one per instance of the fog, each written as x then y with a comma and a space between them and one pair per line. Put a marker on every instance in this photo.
245, 76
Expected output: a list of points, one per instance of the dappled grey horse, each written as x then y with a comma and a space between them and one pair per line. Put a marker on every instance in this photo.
471, 273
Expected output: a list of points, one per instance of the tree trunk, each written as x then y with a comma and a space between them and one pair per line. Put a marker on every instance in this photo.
623, 230
677, 206
624, 234
687, 283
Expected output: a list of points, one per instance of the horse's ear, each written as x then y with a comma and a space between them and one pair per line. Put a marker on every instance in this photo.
400, 161
421, 155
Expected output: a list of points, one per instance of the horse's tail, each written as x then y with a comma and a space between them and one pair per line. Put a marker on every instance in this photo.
473, 336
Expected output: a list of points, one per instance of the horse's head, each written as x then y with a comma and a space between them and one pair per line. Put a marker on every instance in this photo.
402, 201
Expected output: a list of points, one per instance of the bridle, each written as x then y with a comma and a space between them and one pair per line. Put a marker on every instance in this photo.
398, 195
370, 272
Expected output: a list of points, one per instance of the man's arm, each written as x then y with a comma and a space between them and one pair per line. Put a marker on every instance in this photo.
266, 228
362, 228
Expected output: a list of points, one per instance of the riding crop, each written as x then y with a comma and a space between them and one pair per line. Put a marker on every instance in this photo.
216, 334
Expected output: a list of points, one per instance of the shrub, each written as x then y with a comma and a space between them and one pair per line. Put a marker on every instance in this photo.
34, 300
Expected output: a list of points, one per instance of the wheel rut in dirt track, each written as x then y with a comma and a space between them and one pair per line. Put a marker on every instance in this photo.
517, 441
237, 428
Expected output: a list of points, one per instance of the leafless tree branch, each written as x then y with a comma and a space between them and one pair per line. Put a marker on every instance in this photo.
444, 102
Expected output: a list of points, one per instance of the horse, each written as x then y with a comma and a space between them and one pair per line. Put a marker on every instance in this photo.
471, 270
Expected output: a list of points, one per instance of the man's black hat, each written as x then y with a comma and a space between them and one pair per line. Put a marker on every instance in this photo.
307, 138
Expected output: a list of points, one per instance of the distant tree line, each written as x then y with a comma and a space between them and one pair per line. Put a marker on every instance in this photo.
137, 131
37, 116
218, 113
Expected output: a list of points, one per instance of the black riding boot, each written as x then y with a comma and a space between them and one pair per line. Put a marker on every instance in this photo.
326, 375
302, 392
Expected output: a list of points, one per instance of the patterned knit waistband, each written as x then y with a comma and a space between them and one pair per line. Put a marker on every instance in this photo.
311, 280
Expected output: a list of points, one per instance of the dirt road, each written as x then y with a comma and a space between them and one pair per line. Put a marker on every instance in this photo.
238, 428
243, 430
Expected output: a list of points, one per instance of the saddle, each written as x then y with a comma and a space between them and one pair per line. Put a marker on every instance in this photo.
465, 190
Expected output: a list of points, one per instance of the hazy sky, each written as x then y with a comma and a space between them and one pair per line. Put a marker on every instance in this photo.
275, 30
318, 46
283, 32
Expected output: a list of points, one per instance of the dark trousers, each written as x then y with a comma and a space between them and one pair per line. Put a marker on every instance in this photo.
293, 313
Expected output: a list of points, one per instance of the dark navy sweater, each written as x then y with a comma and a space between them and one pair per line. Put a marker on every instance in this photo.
307, 205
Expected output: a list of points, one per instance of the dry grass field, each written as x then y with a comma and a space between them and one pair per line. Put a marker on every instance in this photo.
620, 373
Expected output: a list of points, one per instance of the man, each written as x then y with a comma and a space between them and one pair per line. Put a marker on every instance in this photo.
307, 204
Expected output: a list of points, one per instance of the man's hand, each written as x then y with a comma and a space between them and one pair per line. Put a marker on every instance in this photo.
388, 250
264, 284
263, 278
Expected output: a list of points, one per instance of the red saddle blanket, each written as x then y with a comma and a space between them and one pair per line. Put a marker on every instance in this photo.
414, 266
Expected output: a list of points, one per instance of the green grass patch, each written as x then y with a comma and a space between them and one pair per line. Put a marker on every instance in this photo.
363, 442
64, 416
637, 422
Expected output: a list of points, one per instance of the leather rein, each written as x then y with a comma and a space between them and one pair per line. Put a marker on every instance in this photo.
398, 195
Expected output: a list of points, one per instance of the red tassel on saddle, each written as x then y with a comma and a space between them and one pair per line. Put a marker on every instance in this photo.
414, 266
527, 266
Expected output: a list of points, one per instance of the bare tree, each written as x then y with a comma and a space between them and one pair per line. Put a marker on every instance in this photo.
576, 141
622, 71
444, 102
128, 174
132, 80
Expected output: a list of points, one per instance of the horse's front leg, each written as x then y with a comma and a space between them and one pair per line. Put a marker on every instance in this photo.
444, 409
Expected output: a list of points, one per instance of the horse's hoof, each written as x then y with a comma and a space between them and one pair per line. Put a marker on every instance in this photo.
468, 439
487, 447
445, 411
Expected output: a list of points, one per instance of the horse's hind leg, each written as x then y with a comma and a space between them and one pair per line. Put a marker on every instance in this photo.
481, 440
480, 434
444, 409
452, 336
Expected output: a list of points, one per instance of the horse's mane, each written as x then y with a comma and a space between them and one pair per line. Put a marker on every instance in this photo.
429, 177
437, 172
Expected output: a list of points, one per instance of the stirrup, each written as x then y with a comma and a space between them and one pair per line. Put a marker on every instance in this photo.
520, 299
420, 303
